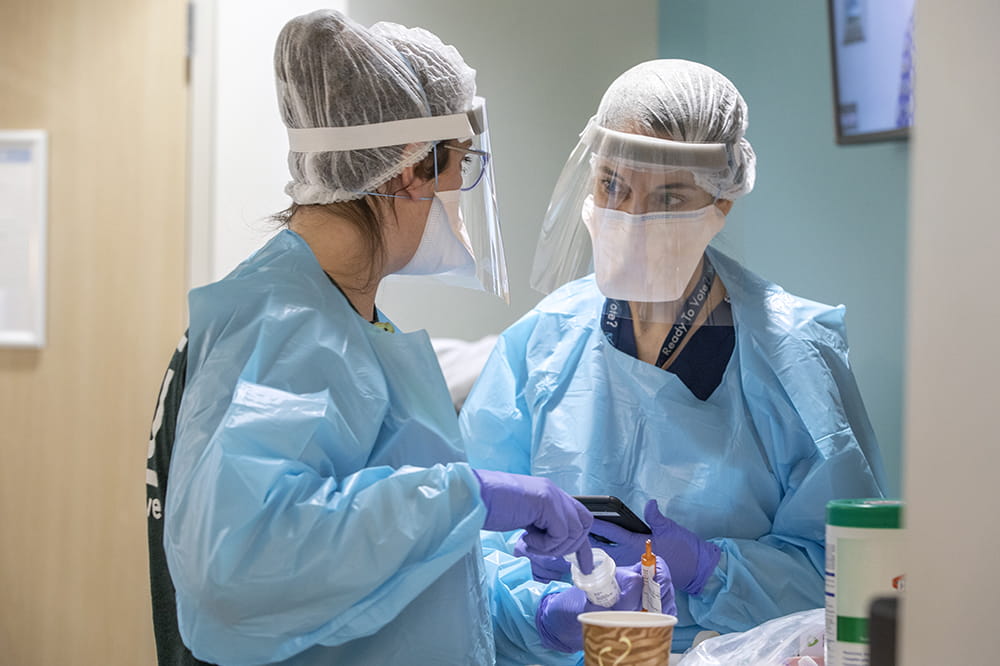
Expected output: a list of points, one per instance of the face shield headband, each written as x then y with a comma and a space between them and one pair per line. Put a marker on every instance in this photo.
648, 152
429, 129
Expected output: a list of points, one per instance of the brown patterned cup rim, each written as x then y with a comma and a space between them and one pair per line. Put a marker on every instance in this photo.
626, 619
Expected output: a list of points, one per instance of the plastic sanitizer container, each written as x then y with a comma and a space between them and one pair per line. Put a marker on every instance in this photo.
600, 584
864, 556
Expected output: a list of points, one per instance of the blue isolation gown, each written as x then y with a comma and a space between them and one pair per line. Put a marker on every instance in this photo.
320, 510
750, 469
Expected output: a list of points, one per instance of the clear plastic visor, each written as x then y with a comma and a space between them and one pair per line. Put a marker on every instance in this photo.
639, 212
479, 212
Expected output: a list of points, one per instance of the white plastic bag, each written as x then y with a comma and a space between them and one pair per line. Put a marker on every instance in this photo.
770, 644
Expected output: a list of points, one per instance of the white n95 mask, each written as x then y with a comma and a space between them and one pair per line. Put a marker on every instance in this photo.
648, 258
444, 246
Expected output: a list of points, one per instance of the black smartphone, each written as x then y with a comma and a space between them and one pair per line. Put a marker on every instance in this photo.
613, 510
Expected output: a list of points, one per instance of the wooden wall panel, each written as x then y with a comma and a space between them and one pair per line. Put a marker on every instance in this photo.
106, 79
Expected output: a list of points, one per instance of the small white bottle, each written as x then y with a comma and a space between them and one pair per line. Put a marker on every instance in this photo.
600, 585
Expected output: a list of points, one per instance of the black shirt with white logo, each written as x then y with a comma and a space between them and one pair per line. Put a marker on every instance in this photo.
170, 650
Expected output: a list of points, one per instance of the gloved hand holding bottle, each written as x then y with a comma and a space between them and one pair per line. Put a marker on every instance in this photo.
554, 523
691, 559
556, 617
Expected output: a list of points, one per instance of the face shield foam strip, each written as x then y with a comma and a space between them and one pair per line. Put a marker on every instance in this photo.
654, 151
392, 133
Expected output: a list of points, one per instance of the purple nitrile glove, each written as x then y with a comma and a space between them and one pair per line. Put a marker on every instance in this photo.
556, 616
546, 568
554, 522
692, 559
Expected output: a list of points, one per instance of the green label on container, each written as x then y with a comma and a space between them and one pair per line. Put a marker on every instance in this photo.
852, 629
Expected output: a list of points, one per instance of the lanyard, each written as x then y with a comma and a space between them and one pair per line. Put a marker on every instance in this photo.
616, 319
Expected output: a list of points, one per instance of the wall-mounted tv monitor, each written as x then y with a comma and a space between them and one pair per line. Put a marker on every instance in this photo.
871, 45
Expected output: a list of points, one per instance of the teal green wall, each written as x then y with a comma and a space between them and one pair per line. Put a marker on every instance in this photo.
826, 222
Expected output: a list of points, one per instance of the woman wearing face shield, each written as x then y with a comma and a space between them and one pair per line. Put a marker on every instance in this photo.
319, 508
707, 398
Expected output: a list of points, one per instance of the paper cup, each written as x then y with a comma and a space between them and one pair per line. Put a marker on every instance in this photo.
626, 638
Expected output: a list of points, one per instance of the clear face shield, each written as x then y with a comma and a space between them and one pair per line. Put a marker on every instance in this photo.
470, 211
639, 212
478, 207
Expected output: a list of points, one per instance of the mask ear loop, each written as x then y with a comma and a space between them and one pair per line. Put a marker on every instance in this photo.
400, 196
731, 166
434, 150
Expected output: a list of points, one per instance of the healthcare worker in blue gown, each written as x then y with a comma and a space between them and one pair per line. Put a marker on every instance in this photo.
711, 401
320, 509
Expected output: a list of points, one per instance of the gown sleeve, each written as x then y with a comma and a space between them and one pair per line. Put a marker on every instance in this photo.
496, 426
820, 445
278, 537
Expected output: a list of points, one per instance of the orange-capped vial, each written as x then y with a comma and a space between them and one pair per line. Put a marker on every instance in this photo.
650, 588
648, 559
